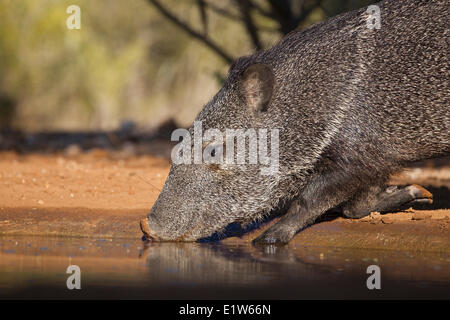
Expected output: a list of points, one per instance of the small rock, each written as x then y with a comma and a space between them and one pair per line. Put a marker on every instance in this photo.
375, 215
420, 216
128, 150
41, 202
72, 150
387, 220
99, 153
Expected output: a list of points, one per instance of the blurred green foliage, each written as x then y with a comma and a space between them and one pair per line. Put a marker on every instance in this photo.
126, 62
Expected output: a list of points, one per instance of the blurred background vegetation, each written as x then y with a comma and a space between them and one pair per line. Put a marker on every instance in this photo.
141, 60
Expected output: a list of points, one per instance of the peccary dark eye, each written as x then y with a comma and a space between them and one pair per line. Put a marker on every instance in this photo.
213, 153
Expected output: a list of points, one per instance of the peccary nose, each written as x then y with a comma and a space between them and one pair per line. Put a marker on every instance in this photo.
146, 231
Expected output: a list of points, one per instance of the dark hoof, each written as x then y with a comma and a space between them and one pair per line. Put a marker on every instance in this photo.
420, 194
420, 201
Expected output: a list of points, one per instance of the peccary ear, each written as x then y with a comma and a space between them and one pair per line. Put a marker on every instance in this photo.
256, 86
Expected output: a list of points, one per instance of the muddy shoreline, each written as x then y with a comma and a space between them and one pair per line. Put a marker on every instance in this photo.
416, 230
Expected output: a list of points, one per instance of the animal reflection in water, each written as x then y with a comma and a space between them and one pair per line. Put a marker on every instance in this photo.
225, 264
222, 264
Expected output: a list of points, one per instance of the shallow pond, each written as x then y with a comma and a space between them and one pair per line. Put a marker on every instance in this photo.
35, 267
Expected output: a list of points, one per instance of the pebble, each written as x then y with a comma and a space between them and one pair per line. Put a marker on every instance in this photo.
375, 214
420, 216
387, 220
72, 150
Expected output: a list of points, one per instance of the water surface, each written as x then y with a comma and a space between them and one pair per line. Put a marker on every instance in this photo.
35, 267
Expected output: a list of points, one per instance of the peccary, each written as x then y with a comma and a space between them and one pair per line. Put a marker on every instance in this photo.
353, 104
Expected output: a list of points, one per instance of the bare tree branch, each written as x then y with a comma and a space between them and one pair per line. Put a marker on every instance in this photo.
223, 12
260, 10
288, 21
188, 29
282, 13
288, 14
244, 7
232, 16
305, 12
203, 15
324, 9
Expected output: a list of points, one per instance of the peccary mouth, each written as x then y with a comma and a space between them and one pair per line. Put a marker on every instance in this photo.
143, 224
151, 237
148, 236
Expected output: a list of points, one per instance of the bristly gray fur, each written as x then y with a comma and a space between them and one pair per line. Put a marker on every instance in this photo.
352, 104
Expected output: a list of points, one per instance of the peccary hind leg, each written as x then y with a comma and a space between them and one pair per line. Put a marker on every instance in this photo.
389, 199
321, 195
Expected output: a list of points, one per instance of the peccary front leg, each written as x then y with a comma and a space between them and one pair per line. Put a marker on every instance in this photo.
285, 229
389, 199
323, 192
